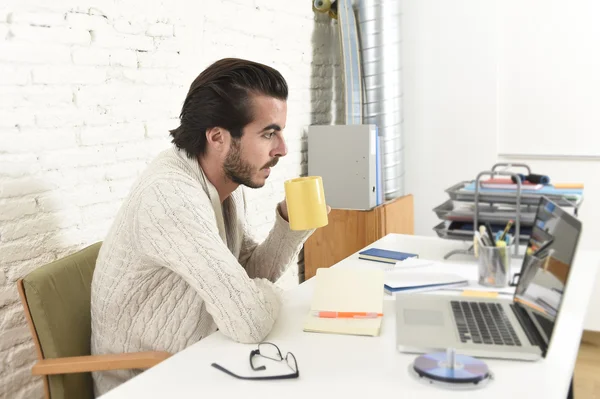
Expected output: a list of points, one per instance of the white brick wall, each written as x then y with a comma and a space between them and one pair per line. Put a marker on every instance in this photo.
88, 92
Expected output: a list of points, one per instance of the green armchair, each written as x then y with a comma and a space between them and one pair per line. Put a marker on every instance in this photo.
56, 299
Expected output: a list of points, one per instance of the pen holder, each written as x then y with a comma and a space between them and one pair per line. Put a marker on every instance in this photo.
494, 265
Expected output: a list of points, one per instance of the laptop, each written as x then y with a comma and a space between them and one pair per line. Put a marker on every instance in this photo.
519, 328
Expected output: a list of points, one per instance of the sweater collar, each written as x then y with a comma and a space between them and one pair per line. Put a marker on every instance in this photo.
194, 167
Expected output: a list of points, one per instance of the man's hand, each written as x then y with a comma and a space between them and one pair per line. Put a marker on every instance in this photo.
283, 210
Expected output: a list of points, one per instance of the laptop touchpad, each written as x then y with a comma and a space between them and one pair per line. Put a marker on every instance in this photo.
423, 317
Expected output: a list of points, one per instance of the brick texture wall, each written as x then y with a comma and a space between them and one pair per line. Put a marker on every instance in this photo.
88, 91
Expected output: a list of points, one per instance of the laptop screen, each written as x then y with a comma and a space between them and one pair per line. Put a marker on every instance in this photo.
546, 265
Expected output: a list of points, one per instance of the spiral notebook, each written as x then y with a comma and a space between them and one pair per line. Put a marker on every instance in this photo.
346, 290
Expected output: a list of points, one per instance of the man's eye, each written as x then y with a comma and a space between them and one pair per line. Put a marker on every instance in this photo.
269, 135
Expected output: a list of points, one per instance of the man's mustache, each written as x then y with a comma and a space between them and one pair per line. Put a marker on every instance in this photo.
271, 164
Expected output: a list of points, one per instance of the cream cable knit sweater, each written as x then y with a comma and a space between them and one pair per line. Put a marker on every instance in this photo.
177, 265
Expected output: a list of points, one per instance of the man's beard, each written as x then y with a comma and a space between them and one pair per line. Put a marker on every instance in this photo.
240, 171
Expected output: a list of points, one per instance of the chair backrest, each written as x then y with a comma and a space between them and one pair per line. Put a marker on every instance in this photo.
57, 297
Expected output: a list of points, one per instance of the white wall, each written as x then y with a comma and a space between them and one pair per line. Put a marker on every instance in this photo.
448, 75
548, 80
450, 78
88, 91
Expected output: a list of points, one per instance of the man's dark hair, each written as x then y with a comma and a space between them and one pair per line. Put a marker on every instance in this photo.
221, 96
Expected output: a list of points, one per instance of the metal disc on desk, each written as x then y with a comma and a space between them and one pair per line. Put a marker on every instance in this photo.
437, 367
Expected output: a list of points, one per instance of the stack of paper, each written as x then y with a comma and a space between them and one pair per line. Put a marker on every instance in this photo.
402, 281
346, 290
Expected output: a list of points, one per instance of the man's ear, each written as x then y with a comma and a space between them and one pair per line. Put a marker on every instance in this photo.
217, 138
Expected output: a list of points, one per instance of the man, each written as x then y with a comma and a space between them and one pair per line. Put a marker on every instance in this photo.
179, 262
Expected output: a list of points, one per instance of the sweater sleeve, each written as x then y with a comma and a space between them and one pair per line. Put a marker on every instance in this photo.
177, 228
272, 257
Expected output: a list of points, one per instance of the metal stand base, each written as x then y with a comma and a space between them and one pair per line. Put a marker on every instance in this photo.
460, 252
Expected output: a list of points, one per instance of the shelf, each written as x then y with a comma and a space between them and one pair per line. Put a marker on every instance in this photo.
458, 193
487, 213
462, 231
497, 206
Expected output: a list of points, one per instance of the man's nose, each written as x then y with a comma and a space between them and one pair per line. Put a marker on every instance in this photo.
281, 149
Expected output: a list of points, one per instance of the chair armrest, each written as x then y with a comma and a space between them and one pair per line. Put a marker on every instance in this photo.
85, 364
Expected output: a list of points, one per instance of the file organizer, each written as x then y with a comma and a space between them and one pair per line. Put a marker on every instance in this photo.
348, 159
496, 206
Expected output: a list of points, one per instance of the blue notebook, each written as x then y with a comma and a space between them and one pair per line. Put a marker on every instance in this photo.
384, 255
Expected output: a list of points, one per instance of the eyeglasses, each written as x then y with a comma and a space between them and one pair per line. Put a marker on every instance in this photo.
270, 351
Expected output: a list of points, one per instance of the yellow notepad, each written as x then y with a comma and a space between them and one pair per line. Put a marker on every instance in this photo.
346, 290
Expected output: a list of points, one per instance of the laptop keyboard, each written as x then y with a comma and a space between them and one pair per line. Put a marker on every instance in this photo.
483, 323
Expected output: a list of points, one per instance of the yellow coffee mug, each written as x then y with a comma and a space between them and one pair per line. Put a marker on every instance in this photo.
306, 205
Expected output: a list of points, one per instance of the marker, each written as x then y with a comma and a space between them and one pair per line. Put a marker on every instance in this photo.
489, 231
346, 315
538, 179
484, 236
476, 239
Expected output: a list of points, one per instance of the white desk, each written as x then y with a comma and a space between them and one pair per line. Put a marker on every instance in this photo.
353, 366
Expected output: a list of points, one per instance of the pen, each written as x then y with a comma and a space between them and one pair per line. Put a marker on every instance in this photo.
346, 315
506, 229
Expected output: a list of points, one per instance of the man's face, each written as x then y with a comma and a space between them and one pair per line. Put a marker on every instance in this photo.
251, 157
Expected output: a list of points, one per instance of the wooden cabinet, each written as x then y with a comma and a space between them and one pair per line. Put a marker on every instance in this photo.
351, 230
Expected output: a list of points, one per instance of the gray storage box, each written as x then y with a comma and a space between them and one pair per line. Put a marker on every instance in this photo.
346, 158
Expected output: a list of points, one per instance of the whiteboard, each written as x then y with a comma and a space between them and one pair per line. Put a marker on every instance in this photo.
548, 77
